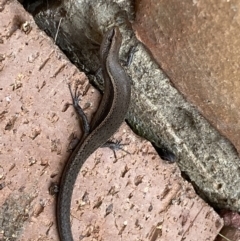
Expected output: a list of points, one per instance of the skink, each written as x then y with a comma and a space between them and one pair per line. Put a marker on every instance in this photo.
108, 118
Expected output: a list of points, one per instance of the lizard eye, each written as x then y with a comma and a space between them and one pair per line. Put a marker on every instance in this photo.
109, 39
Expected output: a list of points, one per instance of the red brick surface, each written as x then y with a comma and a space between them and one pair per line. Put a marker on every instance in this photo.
196, 43
136, 196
